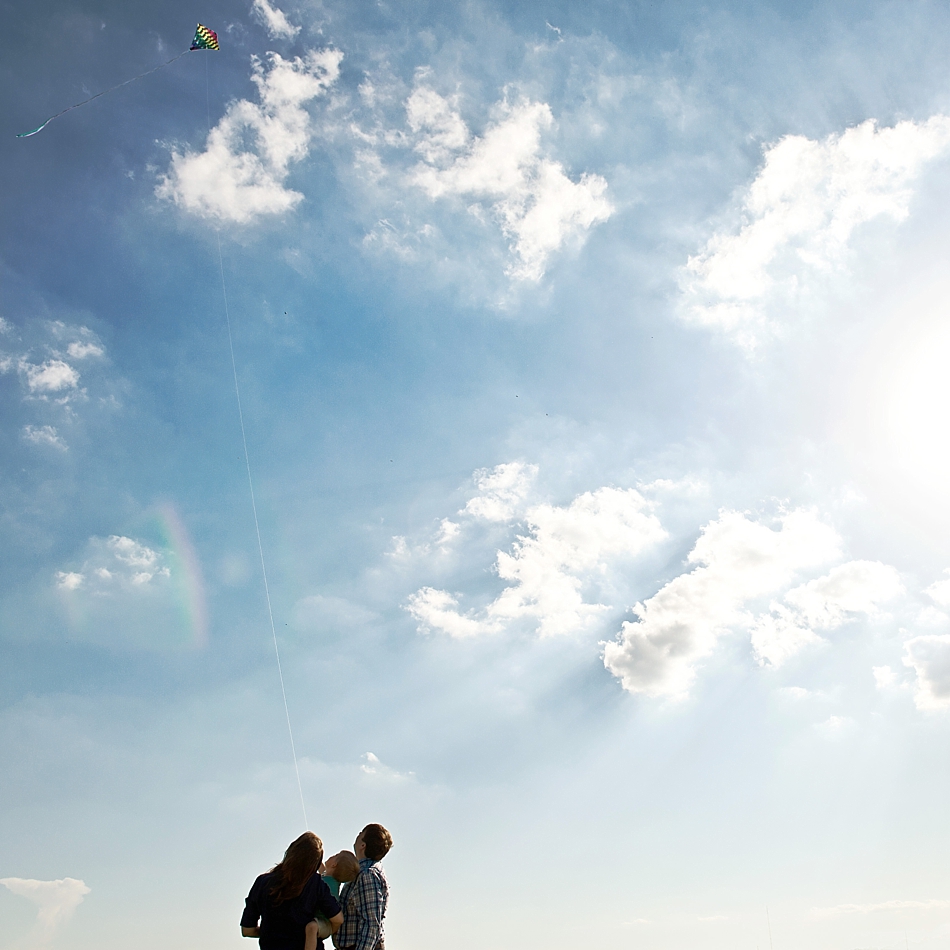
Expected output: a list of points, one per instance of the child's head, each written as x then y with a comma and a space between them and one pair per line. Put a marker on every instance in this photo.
343, 867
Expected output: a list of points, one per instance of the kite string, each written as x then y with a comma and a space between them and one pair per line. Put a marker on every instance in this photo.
257, 528
23, 135
250, 481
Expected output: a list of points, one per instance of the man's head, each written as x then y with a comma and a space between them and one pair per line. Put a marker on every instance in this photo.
373, 842
343, 867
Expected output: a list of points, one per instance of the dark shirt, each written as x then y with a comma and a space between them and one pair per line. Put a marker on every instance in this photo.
283, 925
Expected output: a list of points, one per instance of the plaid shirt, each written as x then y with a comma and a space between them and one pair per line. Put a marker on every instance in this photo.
364, 906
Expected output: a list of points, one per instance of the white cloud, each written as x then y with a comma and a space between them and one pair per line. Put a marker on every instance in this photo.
448, 531
738, 560
56, 900
438, 610
112, 564
275, 20
858, 587
123, 593
502, 491
855, 587
939, 591
132, 552
538, 206
240, 175
566, 548
884, 677
567, 551
50, 377
78, 350
69, 580
929, 656
44, 435
379, 772
799, 214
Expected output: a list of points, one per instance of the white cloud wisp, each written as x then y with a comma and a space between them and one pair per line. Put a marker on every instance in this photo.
538, 206
849, 590
799, 215
56, 900
275, 20
44, 435
234, 181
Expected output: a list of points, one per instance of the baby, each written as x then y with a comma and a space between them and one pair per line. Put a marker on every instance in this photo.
340, 869
336, 870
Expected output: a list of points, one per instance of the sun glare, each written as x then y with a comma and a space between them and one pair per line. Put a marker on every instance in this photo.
916, 412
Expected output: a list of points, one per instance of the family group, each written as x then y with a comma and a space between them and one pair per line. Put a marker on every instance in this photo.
303, 900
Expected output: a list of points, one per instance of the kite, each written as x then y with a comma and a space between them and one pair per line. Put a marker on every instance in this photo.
205, 38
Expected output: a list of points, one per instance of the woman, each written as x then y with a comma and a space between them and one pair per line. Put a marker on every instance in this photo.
287, 899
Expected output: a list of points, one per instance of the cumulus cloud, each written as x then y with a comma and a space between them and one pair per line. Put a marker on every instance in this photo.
115, 561
56, 900
501, 491
929, 657
81, 350
44, 435
241, 174
737, 560
53, 376
849, 590
567, 552
275, 20
799, 214
537, 205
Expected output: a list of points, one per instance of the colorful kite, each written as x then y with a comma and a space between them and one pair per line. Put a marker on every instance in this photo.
204, 39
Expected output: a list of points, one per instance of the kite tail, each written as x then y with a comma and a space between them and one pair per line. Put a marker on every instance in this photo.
25, 135
39, 128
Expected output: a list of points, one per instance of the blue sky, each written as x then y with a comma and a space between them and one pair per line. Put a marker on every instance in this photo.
591, 360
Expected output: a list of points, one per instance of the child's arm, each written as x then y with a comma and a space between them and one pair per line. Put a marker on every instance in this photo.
310, 940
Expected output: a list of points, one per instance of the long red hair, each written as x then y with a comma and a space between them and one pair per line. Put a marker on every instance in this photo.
301, 861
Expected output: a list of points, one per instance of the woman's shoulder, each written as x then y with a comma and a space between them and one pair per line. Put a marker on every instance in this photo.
261, 882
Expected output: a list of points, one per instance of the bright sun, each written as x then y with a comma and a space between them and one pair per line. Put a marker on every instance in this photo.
916, 411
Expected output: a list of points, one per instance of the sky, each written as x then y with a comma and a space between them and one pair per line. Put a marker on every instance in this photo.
589, 370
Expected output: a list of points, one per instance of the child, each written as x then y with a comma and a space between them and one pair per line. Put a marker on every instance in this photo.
338, 869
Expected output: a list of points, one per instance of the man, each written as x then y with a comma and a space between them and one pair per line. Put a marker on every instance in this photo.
364, 900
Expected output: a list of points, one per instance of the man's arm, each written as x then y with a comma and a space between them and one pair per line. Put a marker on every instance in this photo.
250, 931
